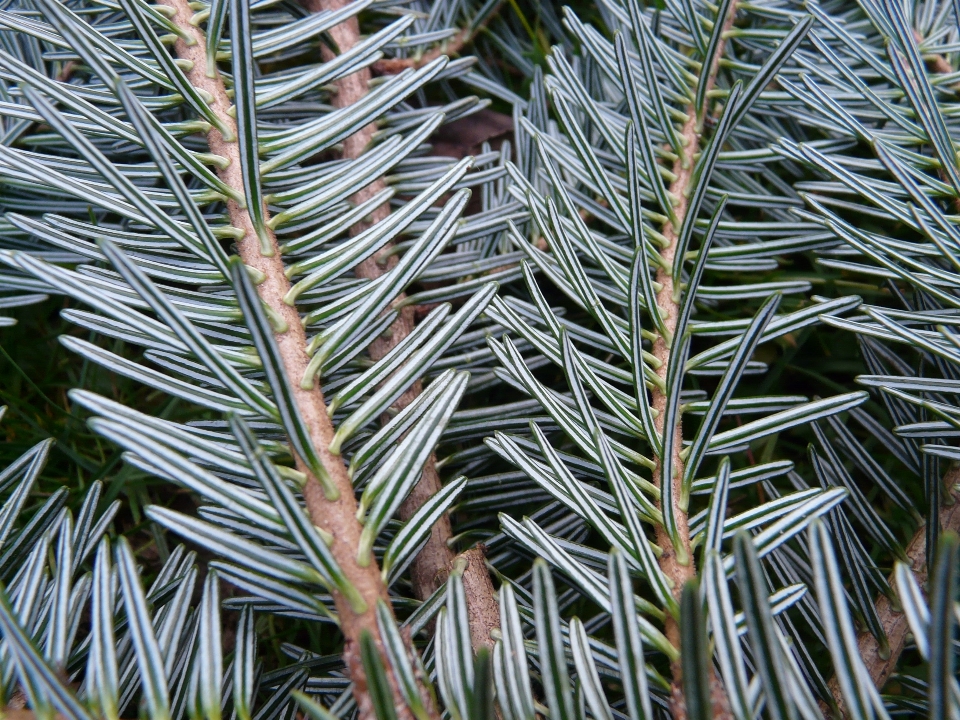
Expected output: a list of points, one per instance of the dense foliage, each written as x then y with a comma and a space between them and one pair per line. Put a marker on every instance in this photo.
479, 359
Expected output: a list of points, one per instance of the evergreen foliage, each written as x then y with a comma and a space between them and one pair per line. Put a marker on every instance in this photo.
648, 411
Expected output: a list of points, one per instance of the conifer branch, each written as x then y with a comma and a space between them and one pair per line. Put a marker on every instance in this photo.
453, 46
85, 634
429, 570
335, 516
882, 662
677, 560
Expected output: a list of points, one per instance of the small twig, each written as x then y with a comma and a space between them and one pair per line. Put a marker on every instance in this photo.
66, 71
392, 66
678, 570
482, 616
881, 664
453, 46
433, 564
938, 63
337, 517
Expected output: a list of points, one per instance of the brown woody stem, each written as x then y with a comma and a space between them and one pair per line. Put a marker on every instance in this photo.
677, 560
392, 66
453, 46
335, 517
432, 565
881, 663
937, 63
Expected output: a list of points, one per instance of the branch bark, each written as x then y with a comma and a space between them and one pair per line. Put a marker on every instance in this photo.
881, 665
937, 63
433, 564
336, 517
677, 568
453, 46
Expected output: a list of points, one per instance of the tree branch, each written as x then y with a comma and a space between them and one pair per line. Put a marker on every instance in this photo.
938, 63
433, 564
882, 664
452, 46
335, 516
680, 569
66, 71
